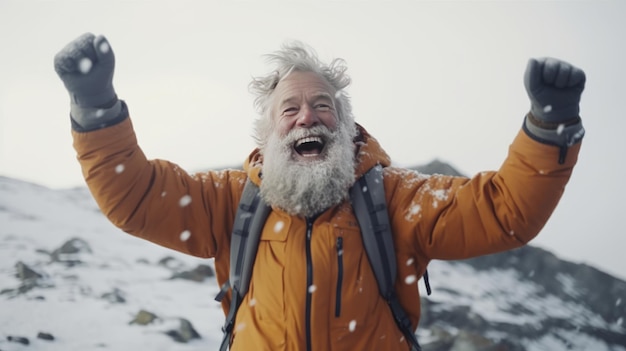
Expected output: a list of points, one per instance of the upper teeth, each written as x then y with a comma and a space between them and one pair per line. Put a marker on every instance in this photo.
311, 139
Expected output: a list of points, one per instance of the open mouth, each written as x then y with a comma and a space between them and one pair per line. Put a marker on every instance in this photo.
309, 146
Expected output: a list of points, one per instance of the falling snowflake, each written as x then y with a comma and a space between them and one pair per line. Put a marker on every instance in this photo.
547, 108
104, 47
352, 325
185, 235
252, 302
84, 65
240, 326
312, 289
163, 194
184, 201
410, 279
560, 129
119, 168
279, 226
100, 112
364, 189
410, 261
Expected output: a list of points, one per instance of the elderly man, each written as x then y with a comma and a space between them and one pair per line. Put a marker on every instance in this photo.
312, 286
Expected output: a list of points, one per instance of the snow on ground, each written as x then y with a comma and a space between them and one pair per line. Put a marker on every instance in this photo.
71, 308
491, 293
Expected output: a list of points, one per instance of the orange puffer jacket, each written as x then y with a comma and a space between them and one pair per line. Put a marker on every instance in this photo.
433, 217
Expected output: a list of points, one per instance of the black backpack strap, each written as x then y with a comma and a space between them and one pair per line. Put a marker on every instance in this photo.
370, 208
427, 283
249, 221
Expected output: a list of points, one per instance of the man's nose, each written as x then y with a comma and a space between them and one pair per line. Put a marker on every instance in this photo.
307, 117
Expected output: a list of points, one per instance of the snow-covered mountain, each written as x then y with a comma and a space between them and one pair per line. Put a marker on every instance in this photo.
70, 280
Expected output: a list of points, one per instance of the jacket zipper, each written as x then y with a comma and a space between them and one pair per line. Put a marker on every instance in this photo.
339, 276
309, 282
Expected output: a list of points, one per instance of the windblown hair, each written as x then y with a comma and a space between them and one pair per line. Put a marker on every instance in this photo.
296, 56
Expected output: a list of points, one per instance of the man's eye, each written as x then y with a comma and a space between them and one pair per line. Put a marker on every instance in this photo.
290, 111
322, 107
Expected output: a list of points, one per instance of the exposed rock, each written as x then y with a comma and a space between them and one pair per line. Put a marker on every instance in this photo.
142, 261
43, 251
437, 167
144, 317
565, 280
115, 296
70, 253
45, 336
184, 333
171, 263
198, 274
25, 273
29, 279
543, 278
18, 339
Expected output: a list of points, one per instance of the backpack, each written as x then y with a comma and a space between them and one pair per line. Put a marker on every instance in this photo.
369, 205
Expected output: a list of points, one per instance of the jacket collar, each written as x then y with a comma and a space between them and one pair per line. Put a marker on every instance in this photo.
369, 153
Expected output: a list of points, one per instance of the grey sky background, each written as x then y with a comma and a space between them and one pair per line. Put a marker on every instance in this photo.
431, 79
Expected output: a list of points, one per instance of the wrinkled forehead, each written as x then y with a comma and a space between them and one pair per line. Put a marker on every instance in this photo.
299, 83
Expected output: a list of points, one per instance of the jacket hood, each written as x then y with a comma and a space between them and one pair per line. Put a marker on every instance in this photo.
368, 153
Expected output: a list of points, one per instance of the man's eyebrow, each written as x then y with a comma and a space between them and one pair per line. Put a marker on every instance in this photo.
287, 100
315, 97
322, 95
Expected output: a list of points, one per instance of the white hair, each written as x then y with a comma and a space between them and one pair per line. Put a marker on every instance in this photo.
296, 56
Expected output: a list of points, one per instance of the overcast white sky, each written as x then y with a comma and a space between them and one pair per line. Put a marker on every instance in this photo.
431, 79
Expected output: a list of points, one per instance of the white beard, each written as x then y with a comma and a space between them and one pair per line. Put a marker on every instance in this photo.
307, 188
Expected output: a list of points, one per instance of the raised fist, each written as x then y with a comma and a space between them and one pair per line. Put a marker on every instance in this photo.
86, 67
554, 88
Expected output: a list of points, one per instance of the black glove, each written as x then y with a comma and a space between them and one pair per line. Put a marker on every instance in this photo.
554, 88
86, 67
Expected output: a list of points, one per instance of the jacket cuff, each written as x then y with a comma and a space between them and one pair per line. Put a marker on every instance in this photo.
86, 119
564, 136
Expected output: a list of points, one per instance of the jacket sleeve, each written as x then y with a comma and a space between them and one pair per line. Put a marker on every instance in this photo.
156, 200
444, 217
